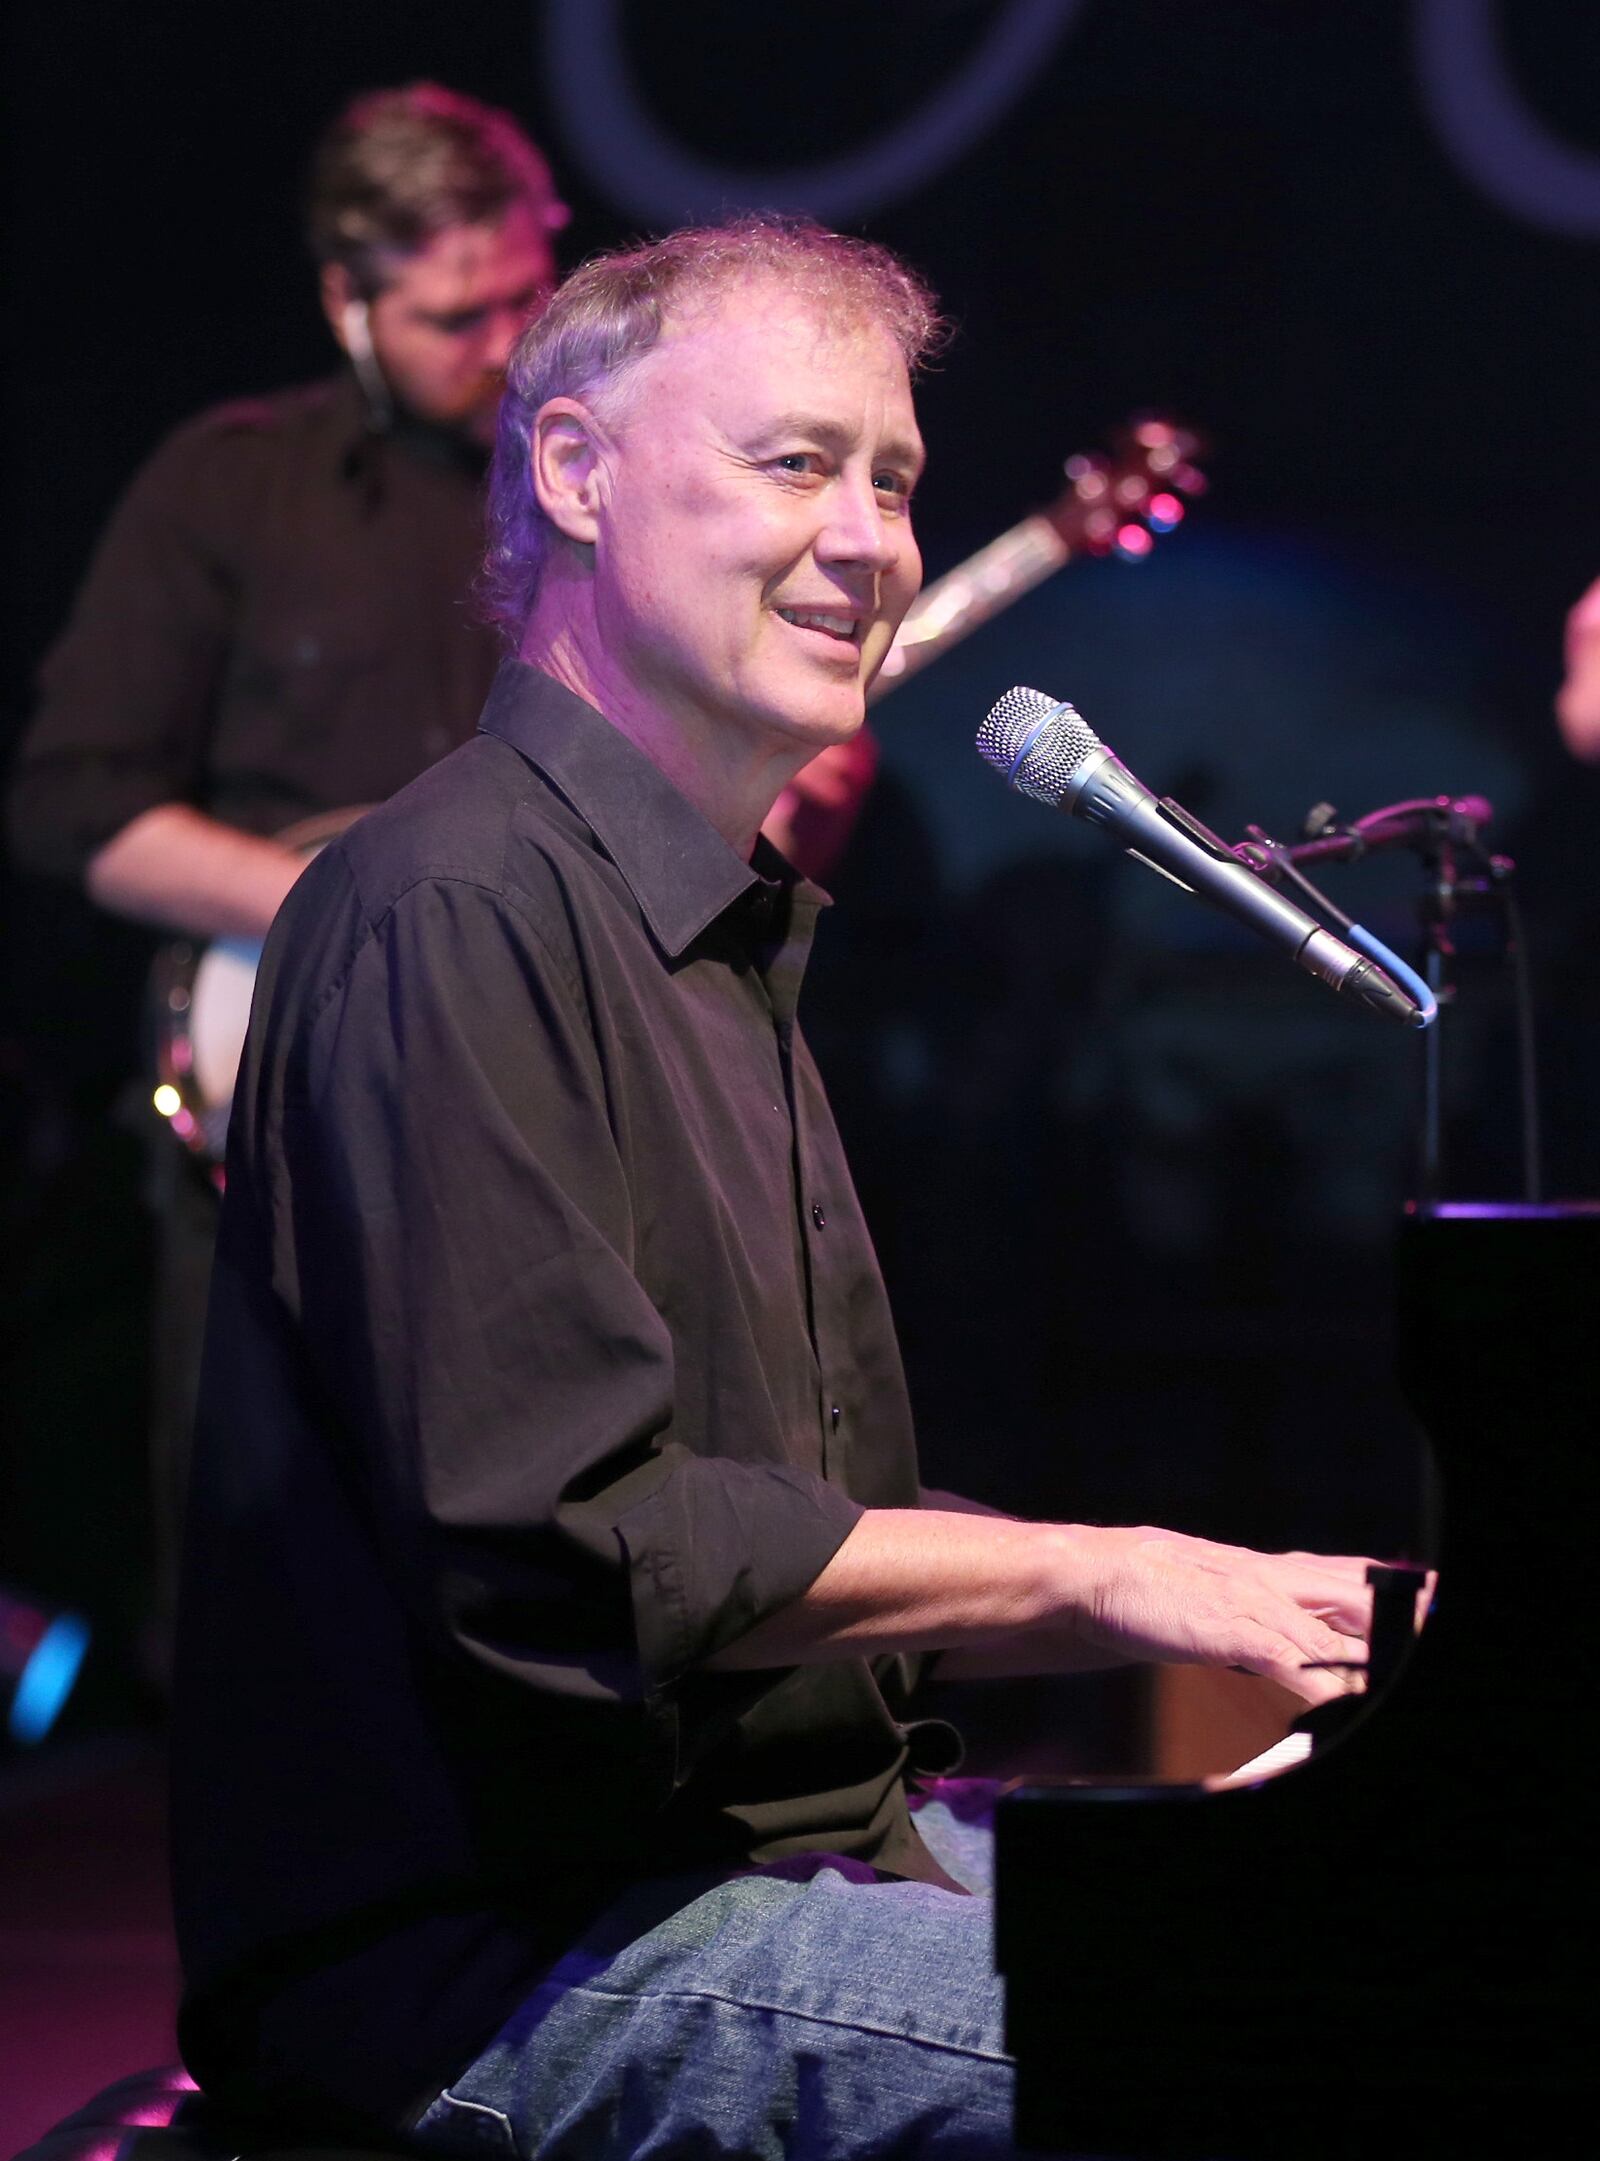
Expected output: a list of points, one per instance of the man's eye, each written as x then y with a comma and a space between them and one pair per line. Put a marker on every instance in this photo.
456, 326
894, 485
797, 461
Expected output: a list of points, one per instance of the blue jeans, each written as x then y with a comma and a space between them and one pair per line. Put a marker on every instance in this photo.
778, 2014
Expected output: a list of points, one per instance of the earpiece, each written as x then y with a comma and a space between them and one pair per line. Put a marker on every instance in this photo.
355, 323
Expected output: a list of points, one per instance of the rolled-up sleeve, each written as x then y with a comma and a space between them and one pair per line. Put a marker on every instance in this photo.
457, 1231
127, 693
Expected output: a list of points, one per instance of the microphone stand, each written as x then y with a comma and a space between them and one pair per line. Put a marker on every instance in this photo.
1461, 872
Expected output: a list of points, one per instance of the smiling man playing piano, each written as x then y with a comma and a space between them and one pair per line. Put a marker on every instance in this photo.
558, 1569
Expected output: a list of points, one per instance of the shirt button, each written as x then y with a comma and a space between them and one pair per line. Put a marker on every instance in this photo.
817, 1216
836, 1414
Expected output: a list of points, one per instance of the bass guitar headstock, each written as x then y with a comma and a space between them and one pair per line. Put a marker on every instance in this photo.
1120, 502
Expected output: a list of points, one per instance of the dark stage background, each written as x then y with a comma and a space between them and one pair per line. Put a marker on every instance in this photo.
1134, 1183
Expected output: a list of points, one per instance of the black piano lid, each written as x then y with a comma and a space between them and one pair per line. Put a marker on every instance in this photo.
1387, 1950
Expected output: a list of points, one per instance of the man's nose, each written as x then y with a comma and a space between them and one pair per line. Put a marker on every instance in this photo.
859, 530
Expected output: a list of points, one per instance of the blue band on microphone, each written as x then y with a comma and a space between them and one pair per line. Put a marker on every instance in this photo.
1032, 737
1407, 978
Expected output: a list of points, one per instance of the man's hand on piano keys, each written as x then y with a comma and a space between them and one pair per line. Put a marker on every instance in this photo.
1157, 1595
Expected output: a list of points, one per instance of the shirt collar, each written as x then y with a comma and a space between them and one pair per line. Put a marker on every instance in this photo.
359, 441
676, 864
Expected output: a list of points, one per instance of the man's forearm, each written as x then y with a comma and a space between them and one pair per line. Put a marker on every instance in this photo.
1001, 1597
178, 869
911, 1580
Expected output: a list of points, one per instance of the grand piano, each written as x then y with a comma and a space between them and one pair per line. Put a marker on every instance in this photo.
1388, 1950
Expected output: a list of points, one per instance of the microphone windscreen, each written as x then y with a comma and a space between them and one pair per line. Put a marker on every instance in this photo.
1036, 742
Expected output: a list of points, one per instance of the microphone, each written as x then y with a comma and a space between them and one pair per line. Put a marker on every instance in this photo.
1046, 750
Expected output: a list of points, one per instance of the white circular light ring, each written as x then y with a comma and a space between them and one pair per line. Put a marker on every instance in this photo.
1486, 125
625, 151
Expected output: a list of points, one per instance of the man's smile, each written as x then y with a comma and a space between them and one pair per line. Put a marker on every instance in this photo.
842, 626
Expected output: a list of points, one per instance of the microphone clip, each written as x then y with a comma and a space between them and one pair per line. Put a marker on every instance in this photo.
1432, 825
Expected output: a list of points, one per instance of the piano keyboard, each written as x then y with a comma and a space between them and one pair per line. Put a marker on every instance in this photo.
1293, 1748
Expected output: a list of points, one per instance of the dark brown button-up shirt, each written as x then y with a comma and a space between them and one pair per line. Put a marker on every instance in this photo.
276, 622
548, 1353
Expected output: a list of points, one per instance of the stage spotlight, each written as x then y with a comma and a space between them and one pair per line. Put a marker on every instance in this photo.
40, 1657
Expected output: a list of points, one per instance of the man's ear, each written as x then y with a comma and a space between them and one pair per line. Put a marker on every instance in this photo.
569, 464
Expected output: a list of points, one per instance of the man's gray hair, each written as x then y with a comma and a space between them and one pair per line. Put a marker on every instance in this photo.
610, 313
